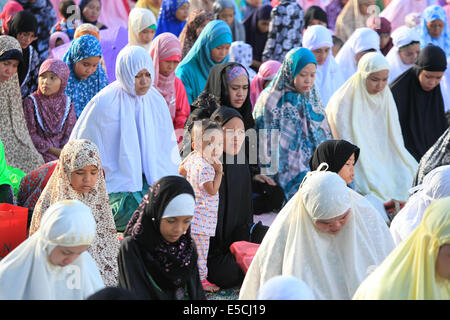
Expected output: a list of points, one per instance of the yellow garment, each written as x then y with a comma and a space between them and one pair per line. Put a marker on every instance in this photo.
147, 4
408, 273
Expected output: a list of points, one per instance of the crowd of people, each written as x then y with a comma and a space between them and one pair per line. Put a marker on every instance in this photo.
143, 159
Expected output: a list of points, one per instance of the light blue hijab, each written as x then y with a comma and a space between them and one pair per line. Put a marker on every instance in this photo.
432, 13
81, 91
194, 69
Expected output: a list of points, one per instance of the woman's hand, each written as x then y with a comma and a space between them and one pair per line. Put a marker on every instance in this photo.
264, 179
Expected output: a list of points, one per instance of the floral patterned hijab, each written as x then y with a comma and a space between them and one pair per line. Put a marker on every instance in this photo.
76, 155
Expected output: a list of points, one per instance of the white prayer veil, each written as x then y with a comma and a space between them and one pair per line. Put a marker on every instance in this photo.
362, 39
436, 185
332, 266
27, 274
129, 129
400, 37
328, 76
139, 19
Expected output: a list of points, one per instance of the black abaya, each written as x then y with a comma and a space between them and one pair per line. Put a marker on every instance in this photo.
421, 113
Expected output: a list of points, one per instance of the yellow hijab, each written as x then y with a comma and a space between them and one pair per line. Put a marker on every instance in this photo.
147, 4
408, 273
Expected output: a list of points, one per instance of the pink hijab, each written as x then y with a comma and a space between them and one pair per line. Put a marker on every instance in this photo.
266, 72
165, 47
54, 37
9, 11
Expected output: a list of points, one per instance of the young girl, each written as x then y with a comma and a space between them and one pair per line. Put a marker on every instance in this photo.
266, 73
340, 155
49, 113
57, 39
23, 27
79, 176
87, 77
42, 266
66, 9
165, 51
172, 17
203, 170
141, 27
157, 258
225, 10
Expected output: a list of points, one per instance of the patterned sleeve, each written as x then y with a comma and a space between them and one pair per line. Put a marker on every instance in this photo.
207, 174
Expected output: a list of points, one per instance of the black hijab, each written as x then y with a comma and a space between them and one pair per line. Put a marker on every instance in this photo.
421, 113
23, 21
150, 266
234, 218
335, 153
252, 34
217, 84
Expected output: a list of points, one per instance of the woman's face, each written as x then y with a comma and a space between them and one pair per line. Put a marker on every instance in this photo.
409, 54
142, 82
347, 172
49, 83
7, 69
146, 36
233, 136
443, 262
334, 225
182, 12
26, 38
430, 79
63, 256
321, 55
167, 67
84, 179
377, 81
263, 26
92, 11
173, 228
227, 15
435, 28
238, 91
86, 67
384, 40
219, 53
304, 80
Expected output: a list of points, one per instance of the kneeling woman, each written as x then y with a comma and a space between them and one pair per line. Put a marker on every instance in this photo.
158, 258
130, 123
327, 235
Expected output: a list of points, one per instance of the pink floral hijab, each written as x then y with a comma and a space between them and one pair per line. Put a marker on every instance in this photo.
166, 47
52, 111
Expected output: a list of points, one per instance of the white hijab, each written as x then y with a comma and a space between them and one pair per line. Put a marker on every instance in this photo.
332, 266
400, 37
436, 185
362, 39
328, 76
138, 20
384, 168
134, 134
27, 274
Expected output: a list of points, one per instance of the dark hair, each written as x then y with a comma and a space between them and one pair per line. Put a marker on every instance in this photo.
337, 41
409, 44
315, 12
206, 124
64, 6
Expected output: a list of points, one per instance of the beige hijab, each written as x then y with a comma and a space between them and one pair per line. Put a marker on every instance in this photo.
384, 168
19, 148
75, 155
350, 19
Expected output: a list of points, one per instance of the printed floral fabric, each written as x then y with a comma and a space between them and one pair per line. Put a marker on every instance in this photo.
76, 155
285, 30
